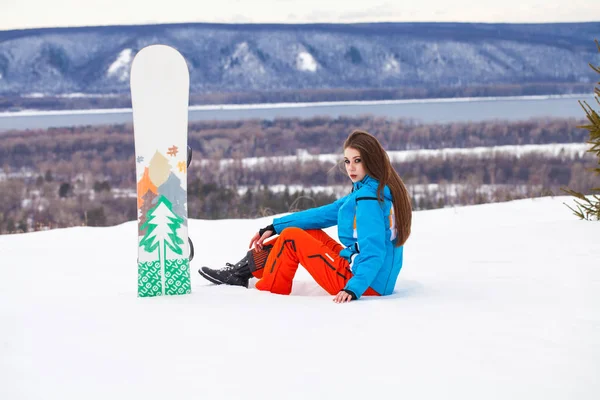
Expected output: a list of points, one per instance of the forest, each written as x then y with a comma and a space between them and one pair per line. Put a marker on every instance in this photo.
86, 175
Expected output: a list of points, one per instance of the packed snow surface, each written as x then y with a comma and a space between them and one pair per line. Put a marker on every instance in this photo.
496, 301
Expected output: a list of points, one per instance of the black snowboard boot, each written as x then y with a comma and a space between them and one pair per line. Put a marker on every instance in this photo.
238, 274
233, 274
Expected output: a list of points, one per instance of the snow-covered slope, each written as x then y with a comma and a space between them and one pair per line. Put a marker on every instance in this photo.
497, 301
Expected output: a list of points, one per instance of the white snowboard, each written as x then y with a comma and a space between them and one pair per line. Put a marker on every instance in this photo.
160, 99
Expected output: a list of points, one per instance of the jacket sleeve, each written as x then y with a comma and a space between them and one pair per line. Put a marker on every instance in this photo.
370, 229
314, 218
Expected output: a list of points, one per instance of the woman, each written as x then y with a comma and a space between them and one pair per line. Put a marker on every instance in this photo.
373, 221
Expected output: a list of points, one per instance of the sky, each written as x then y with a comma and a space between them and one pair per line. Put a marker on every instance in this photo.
21, 14
495, 301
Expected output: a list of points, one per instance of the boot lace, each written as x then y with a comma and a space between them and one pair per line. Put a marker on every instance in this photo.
229, 267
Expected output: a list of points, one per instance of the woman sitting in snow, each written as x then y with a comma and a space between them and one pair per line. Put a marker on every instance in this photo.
373, 221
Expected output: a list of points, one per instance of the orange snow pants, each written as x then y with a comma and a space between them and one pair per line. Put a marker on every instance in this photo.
315, 250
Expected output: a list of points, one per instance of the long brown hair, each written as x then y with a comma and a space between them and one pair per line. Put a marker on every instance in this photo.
377, 165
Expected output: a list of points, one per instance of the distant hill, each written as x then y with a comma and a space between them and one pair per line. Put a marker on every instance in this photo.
267, 58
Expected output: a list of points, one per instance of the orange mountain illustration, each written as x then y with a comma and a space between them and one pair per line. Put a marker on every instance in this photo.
144, 185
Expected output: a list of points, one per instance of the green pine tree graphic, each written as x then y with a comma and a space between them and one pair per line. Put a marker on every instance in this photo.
161, 233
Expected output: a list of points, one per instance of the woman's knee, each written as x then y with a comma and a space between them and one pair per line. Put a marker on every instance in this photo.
291, 232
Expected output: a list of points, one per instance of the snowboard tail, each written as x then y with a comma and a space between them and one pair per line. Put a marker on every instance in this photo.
160, 100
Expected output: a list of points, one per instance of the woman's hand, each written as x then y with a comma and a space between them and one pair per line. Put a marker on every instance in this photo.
342, 297
258, 239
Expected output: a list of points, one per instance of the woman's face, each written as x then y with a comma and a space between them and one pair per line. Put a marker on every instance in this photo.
354, 165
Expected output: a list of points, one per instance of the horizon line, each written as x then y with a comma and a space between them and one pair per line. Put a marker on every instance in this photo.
149, 24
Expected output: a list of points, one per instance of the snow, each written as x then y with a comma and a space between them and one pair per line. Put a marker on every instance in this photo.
77, 95
570, 150
338, 190
306, 62
551, 150
19, 174
34, 95
494, 301
391, 66
242, 51
431, 191
243, 63
120, 67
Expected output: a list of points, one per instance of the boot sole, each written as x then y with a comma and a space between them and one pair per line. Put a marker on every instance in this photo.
209, 278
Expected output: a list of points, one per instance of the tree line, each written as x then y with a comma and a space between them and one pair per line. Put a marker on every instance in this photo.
15, 102
96, 147
86, 175
499, 169
48, 200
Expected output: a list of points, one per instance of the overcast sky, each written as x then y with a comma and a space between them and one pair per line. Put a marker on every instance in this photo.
17, 14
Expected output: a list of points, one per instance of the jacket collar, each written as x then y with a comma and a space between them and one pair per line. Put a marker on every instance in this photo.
367, 180
374, 183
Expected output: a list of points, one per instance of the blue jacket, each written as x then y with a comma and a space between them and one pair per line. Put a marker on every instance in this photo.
366, 227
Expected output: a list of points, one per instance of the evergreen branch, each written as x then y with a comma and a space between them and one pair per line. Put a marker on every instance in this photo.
588, 208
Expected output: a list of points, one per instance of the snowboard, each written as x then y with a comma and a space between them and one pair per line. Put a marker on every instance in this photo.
159, 83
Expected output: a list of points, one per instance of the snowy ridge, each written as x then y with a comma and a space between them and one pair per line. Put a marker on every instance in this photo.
391, 66
247, 57
120, 68
306, 62
243, 63
495, 301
